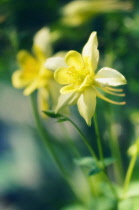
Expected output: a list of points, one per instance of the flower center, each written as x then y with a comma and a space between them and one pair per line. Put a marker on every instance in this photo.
77, 76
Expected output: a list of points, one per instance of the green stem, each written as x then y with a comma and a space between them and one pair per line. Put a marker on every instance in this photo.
45, 138
70, 141
129, 174
98, 140
101, 155
114, 146
84, 140
77, 155
94, 155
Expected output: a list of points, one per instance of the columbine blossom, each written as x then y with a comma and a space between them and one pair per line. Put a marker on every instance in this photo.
82, 83
33, 74
78, 12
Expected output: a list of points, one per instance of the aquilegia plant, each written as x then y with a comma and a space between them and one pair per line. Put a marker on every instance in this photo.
82, 83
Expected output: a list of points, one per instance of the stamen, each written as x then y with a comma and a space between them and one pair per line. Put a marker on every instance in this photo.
112, 93
114, 89
71, 71
109, 100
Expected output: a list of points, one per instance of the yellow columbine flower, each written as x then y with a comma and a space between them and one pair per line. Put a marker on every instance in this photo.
78, 12
77, 72
32, 73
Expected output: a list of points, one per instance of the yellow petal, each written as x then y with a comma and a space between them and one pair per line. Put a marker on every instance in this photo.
31, 87
109, 77
90, 51
69, 89
42, 41
73, 58
87, 104
43, 97
18, 80
55, 63
39, 53
67, 99
28, 64
61, 76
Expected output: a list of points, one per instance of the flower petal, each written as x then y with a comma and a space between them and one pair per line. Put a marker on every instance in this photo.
68, 89
18, 80
55, 63
67, 99
43, 98
27, 61
39, 54
73, 58
87, 103
42, 40
31, 87
109, 77
90, 51
61, 76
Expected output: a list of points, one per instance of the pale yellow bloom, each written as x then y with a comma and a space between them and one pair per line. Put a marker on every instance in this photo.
82, 84
32, 73
79, 11
134, 148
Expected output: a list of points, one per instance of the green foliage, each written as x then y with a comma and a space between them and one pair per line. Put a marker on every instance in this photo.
60, 117
75, 207
130, 203
93, 165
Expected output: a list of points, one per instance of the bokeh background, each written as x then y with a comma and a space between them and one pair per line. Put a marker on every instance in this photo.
29, 180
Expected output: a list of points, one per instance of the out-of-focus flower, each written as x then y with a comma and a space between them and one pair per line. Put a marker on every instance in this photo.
77, 72
32, 73
134, 148
79, 11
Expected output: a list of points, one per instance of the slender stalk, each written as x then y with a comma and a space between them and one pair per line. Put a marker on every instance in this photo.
114, 146
98, 140
129, 174
94, 155
84, 140
78, 155
70, 141
45, 138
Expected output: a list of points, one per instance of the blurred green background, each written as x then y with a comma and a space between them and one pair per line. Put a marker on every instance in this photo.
29, 179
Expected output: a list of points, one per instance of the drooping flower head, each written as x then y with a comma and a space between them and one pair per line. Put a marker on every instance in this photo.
81, 82
32, 73
78, 12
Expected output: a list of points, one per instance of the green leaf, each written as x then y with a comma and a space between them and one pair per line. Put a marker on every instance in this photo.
94, 166
89, 163
74, 207
85, 161
133, 189
52, 114
128, 204
94, 171
60, 117
108, 161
